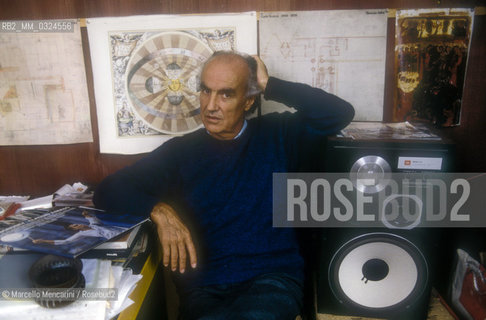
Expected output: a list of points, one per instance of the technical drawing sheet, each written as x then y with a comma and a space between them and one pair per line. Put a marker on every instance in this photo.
43, 90
340, 51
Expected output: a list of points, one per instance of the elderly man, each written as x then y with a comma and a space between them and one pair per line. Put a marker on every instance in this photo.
210, 192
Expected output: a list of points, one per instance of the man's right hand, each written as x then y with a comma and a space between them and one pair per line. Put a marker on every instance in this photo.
262, 73
174, 237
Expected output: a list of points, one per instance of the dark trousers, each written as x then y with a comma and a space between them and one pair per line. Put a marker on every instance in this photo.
270, 296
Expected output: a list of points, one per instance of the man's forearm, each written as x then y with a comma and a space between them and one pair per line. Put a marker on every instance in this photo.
314, 104
119, 195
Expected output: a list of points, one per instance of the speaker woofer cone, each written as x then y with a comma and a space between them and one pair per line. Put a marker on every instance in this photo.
378, 274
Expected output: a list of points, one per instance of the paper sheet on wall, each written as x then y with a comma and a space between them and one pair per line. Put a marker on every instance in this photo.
146, 73
340, 51
43, 91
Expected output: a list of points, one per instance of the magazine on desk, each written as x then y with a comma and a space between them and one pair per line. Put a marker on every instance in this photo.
67, 231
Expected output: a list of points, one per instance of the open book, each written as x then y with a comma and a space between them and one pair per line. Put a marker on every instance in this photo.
68, 231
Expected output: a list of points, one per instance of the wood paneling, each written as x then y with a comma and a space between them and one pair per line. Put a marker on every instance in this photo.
470, 136
40, 170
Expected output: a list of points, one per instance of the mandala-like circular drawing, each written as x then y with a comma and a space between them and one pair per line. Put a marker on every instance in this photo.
163, 79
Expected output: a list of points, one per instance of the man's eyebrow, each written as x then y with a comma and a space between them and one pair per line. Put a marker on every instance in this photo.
227, 91
202, 86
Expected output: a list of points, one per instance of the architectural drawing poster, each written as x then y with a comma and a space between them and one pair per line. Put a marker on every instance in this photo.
340, 51
146, 73
431, 53
43, 92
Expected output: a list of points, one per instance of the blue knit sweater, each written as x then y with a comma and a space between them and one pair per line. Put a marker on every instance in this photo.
222, 189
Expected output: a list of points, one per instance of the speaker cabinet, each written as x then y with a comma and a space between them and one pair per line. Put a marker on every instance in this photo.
350, 155
379, 272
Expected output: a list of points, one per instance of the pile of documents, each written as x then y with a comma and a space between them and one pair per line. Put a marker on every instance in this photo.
111, 258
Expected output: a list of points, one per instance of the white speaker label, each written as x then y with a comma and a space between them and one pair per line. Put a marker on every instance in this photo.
419, 163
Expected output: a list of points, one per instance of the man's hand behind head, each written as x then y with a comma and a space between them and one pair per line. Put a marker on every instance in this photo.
262, 73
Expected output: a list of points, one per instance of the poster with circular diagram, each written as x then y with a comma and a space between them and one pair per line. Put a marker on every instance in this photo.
156, 78
146, 73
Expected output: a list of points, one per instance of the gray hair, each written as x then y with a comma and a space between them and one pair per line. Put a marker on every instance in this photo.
253, 90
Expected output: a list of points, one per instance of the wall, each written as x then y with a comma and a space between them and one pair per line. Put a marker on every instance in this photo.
40, 170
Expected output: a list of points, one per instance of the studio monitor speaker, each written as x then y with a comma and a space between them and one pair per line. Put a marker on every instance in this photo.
379, 272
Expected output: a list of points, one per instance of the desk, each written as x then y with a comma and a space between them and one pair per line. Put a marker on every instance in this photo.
148, 295
14, 269
155, 296
140, 292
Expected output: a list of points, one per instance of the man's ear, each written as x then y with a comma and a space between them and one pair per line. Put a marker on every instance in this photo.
249, 102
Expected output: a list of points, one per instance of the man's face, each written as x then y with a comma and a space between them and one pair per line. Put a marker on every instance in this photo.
223, 96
